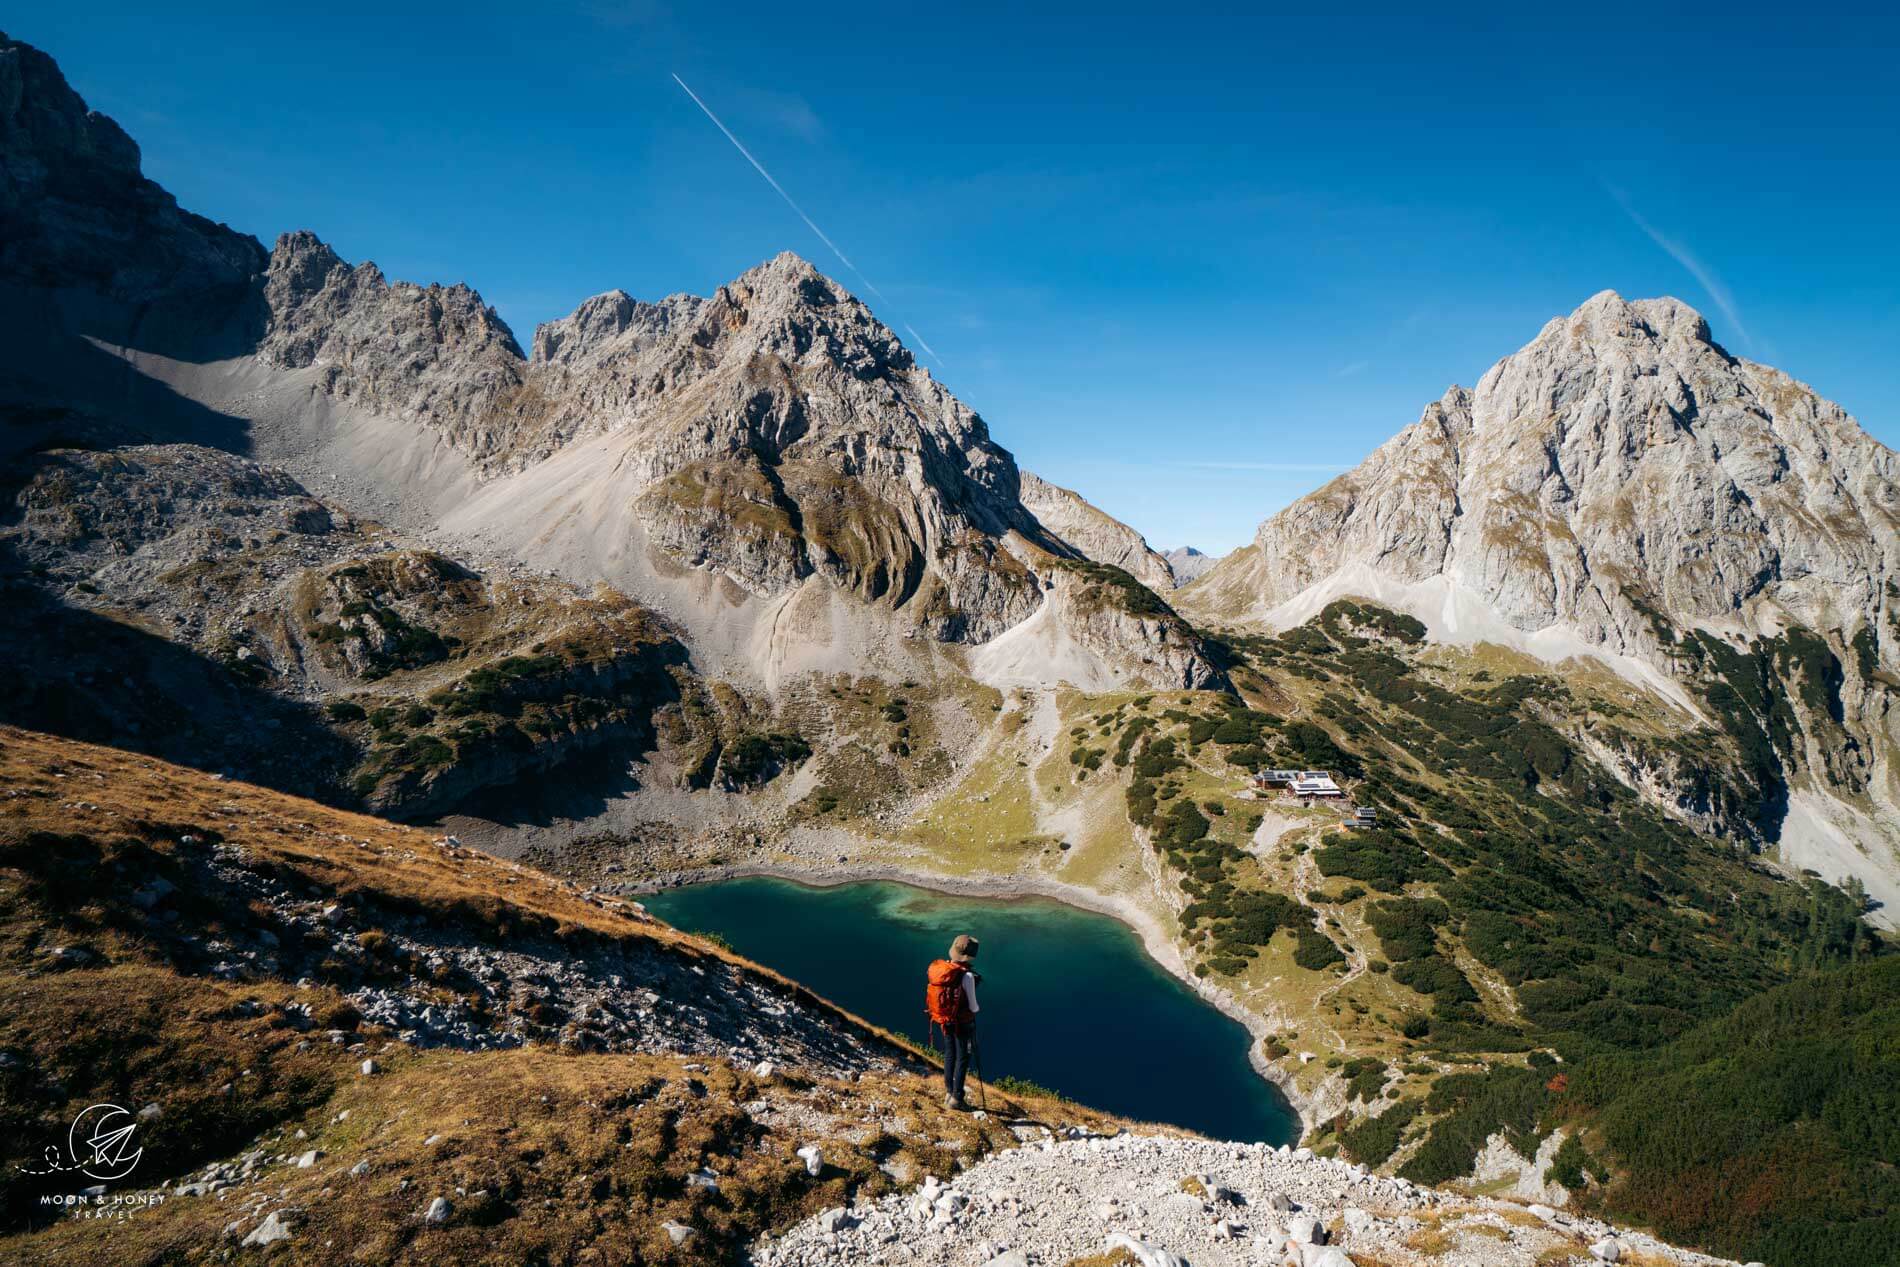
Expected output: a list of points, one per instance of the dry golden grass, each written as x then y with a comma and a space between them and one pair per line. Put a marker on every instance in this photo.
62, 786
549, 1155
563, 1160
1113, 1258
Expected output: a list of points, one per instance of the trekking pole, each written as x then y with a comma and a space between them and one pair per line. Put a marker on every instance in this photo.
976, 1056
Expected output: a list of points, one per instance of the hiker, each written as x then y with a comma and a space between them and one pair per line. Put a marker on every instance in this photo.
950, 1001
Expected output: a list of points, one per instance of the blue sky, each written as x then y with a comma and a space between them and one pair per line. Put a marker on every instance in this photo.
1187, 262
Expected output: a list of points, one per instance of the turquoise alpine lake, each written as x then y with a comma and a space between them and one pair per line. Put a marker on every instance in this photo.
1069, 998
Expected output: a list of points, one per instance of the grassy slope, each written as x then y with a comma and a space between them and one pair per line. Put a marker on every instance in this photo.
544, 1151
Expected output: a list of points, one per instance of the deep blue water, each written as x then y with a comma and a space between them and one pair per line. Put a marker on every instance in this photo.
1069, 998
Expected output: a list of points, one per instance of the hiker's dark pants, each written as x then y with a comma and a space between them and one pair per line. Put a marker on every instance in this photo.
959, 1040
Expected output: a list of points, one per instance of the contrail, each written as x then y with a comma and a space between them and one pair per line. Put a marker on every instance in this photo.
809, 222
1683, 256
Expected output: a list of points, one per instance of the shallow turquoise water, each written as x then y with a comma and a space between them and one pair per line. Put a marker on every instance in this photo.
1070, 999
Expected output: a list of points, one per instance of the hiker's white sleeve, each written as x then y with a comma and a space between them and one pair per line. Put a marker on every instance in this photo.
969, 992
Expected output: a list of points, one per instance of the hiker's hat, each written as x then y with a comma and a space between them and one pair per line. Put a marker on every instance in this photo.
963, 949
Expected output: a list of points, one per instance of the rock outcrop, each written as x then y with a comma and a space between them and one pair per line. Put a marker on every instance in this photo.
1097, 629
435, 681
75, 211
434, 355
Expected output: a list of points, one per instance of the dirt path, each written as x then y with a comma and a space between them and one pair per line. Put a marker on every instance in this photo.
1357, 961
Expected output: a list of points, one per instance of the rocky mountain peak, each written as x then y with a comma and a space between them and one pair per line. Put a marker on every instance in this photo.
438, 354
1619, 463
787, 305
1186, 564
304, 273
610, 324
41, 114
75, 209
1607, 317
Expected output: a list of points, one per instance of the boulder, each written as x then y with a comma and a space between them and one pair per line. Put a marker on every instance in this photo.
1304, 1229
1607, 1251
277, 1227
437, 1211
1145, 1254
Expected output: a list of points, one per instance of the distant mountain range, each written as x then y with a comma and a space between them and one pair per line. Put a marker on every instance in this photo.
1188, 564
770, 475
774, 480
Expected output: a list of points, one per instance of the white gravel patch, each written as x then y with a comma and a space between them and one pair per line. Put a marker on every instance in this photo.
1245, 1205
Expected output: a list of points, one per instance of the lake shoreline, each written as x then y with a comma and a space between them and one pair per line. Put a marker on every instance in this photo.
1154, 940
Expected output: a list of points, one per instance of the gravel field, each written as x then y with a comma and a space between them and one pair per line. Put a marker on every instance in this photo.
1167, 1202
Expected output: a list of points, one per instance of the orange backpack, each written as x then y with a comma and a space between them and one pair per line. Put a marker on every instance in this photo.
944, 1000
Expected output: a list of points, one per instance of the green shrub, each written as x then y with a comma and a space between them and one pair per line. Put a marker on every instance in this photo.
1316, 951
1475, 1107
1573, 1166
1010, 1084
756, 758
1377, 1138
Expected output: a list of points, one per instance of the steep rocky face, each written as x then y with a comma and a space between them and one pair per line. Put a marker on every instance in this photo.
1623, 483
1099, 537
1621, 463
433, 355
75, 210
1185, 564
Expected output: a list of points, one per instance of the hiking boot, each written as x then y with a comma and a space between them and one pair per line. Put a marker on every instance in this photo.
952, 1100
